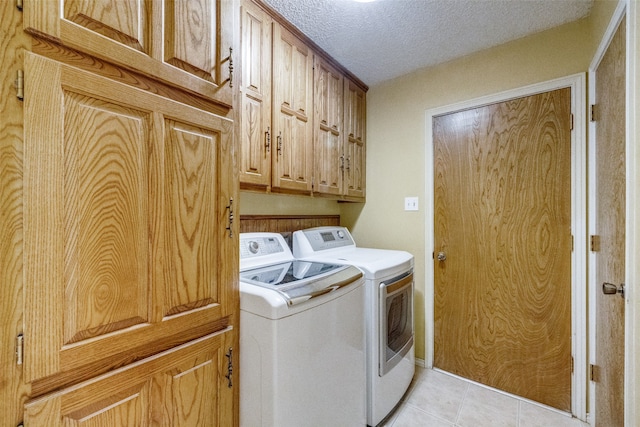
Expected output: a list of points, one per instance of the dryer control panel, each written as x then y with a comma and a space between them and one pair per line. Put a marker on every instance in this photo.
322, 238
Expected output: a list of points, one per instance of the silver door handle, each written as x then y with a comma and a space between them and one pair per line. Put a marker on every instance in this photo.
442, 256
611, 289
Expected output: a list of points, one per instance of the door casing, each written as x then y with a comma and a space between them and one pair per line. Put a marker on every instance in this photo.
577, 83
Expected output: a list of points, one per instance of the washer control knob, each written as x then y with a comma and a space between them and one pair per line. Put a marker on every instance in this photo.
253, 247
340, 234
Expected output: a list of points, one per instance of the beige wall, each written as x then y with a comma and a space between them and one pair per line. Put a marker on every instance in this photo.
396, 129
279, 204
395, 135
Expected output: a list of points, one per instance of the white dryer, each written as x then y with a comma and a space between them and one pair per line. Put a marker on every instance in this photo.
388, 310
302, 345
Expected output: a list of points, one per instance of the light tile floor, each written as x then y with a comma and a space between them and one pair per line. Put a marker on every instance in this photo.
438, 399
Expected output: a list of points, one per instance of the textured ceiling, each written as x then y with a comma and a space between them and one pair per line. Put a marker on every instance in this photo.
384, 39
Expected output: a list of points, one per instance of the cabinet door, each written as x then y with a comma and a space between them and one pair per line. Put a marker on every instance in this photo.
184, 386
355, 157
183, 43
256, 139
328, 155
127, 251
292, 114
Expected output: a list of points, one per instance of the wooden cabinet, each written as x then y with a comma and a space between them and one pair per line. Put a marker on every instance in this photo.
292, 113
303, 116
128, 254
256, 135
124, 286
328, 146
183, 43
180, 387
355, 141
126, 240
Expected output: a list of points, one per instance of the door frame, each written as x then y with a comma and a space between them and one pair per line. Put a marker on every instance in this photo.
632, 311
631, 9
577, 83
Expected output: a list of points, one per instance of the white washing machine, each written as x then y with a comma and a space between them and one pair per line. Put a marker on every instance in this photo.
302, 345
388, 310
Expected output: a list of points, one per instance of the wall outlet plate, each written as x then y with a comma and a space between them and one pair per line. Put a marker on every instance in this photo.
410, 203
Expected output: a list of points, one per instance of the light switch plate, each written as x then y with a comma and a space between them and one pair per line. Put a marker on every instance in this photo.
410, 203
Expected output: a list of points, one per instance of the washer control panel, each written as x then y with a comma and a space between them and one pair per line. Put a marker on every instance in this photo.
256, 246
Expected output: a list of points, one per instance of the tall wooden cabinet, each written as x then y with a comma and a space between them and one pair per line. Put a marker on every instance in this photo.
296, 105
129, 285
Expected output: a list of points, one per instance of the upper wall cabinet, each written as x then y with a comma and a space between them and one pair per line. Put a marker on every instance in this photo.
292, 113
185, 43
302, 116
256, 134
328, 147
355, 121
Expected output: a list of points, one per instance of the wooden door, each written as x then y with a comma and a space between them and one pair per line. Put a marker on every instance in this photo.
183, 43
256, 137
328, 154
355, 153
503, 222
610, 225
127, 251
292, 113
184, 386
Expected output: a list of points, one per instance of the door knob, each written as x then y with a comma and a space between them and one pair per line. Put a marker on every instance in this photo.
611, 289
442, 256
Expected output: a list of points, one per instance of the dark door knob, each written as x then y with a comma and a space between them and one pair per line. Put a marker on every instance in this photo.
611, 289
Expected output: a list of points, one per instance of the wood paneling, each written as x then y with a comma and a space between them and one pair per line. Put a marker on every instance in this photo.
610, 225
503, 218
285, 224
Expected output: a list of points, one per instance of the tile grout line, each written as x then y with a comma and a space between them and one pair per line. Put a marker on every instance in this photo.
466, 391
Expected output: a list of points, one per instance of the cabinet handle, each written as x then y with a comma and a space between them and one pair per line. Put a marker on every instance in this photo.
229, 373
342, 163
230, 209
348, 163
280, 142
267, 137
230, 67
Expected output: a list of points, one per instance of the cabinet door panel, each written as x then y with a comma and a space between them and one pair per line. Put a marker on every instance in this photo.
184, 386
328, 155
126, 239
293, 95
123, 21
189, 41
105, 205
355, 122
182, 43
190, 166
256, 137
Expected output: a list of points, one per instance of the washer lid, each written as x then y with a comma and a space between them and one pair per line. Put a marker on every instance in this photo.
299, 281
